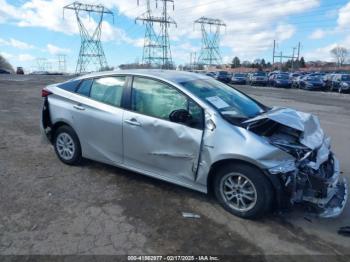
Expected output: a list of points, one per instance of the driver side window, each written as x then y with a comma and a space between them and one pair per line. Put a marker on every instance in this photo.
157, 99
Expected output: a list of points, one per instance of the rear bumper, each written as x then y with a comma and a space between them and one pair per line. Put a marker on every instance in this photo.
315, 88
44, 135
283, 84
259, 82
346, 90
45, 123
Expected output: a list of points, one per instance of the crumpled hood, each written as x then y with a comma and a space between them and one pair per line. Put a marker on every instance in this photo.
312, 133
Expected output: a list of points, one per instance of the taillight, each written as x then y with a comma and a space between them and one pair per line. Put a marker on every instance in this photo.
45, 92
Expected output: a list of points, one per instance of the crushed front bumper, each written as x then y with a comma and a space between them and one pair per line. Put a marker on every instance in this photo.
337, 195
337, 203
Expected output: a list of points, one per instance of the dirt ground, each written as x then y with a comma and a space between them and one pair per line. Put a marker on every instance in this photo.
47, 207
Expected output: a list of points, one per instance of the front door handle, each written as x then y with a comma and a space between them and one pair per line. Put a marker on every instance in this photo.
79, 107
132, 122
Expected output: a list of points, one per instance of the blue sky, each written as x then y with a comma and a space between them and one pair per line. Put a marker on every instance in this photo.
32, 29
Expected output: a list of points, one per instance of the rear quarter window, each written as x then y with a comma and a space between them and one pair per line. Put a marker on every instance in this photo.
84, 87
70, 86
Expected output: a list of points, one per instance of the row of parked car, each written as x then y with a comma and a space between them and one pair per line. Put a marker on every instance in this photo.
310, 81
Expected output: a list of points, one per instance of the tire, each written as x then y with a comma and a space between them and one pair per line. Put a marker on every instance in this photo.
256, 182
67, 145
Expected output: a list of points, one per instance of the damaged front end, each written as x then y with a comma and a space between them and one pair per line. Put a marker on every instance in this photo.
314, 177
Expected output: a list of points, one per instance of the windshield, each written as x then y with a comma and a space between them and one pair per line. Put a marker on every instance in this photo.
313, 78
239, 75
282, 77
227, 101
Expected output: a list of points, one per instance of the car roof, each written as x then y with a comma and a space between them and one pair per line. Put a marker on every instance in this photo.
169, 75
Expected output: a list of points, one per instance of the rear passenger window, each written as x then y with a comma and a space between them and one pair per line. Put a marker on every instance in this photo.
108, 90
84, 87
70, 86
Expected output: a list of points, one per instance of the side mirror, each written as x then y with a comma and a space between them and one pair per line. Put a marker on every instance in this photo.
180, 116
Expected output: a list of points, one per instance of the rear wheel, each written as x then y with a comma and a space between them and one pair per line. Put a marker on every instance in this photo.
243, 190
67, 145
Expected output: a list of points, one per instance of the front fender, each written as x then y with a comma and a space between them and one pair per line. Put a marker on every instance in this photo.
229, 142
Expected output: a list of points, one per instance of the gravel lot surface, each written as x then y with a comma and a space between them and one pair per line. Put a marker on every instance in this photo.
47, 207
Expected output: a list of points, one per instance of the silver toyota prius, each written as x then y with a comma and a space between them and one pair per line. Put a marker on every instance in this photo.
193, 131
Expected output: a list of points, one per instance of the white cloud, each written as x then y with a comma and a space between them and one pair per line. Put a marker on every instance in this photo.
324, 53
18, 57
182, 52
251, 24
16, 44
49, 15
7, 11
318, 34
55, 50
344, 17
25, 58
19, 44
343, 20
7, 55
249, 46
321, 53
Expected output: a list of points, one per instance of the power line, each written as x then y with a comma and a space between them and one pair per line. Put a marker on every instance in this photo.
256, 6
280, 55
324, 7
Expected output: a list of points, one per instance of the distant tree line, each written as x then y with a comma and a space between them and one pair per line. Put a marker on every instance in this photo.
261, 64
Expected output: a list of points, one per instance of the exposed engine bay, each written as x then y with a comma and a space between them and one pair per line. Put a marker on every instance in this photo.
313, 177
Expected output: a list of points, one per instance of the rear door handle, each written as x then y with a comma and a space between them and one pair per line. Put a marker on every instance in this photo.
79, 107
132, 122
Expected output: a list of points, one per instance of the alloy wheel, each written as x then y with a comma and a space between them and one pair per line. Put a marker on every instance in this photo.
65, 146
238, 191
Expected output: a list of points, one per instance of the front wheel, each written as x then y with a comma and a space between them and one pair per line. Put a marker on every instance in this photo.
67, 145
243, 190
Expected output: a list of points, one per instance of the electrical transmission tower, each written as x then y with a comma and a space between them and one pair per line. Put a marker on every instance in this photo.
156, 48
43, 64
91, 52
62, 63
210, 51
151, 49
